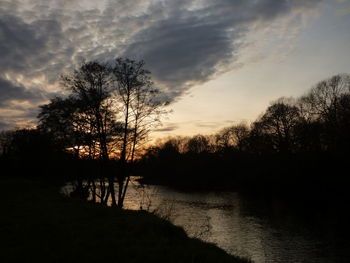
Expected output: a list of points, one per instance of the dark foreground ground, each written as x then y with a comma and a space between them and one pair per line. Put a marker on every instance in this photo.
39, 225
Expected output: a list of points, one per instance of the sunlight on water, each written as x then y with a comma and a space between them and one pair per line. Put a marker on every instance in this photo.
251, 229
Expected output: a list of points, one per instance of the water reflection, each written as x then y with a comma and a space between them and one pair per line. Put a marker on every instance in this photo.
262, 230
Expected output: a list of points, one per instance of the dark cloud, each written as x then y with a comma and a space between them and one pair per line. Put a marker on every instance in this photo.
4, 125
189, 46
10, 92
19, 106
30, 48
183, 42
181, 54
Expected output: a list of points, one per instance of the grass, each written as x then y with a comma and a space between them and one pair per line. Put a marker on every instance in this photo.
39, 225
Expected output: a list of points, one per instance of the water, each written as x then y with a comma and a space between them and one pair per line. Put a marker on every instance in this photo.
263, 230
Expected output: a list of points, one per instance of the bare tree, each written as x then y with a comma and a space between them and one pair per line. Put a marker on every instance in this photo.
108, 107
198, 144
324, 105
232, 136
91, 85
322, 100
141, 109
86, 119
278, 122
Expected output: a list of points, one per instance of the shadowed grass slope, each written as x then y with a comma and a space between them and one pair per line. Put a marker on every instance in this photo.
39, 225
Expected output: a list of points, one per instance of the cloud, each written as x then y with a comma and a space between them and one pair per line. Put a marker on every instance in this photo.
32, 49
205, 124
10, 92
18, 105
168, 128
182, 42
4, 125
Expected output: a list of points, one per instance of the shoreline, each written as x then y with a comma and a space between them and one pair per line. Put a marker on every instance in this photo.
42, 225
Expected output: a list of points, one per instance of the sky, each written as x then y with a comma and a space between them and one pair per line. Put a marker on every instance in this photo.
219, 62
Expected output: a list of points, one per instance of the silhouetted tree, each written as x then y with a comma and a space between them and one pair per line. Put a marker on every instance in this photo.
110, 109
198, 144
140, 109
323, 98
86, 119
90, 86
232, 136
61, 119
322, 104
279, 122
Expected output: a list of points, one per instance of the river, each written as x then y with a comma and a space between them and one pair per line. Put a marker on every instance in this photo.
261, 229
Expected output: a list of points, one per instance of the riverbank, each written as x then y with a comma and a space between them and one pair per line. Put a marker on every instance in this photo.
38, 224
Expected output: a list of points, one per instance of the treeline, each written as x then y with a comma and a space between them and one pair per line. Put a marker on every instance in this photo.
33, 154
296, 146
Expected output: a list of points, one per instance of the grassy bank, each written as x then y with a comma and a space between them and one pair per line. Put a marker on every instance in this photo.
39, 225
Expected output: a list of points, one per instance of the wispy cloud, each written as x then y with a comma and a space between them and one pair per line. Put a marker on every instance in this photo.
169, 127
